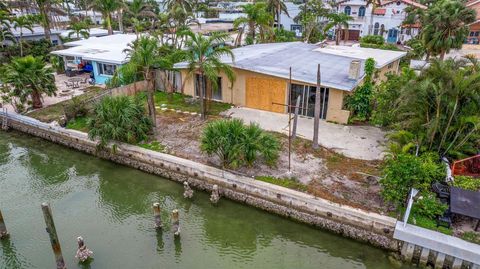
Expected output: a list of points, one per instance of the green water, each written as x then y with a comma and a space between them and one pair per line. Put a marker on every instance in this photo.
110, 206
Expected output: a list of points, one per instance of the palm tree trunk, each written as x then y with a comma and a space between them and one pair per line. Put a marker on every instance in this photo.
201, 88
442, 55
109, 24
150, 98
278, 17
20, 43
46, 22
337, 36
120, 20
36, 100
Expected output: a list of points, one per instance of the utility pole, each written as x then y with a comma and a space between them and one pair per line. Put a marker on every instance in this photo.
316, 120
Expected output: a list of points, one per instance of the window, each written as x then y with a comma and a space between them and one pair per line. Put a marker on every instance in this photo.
390, 66
361, 11
211, 92
106, 69
408, 31
382, 29
348, 10
375, 28
307, 94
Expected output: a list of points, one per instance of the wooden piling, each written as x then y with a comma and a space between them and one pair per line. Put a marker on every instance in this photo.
215, 196
175, 222
156, 214
295, 118
316, 119
52, 232
3, 227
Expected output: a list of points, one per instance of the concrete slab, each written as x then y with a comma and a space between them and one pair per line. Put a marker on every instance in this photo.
359, 142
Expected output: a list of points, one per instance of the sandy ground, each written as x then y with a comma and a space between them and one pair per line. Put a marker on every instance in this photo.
359, 142
325, 173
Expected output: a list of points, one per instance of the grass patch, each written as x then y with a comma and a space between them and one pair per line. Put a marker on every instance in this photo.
284, 182
155, 146
430, 224
56, 111
186, 103
79, 124
471, 237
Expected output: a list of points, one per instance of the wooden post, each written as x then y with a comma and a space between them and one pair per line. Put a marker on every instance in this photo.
188, 192
316, 120
215, 196
295, 119
156, 214
52, 232
175, 222
3, 227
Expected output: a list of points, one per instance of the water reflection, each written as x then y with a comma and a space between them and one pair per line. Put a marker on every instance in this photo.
11, 258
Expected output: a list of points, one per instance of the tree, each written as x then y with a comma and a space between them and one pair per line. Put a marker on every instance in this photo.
107, 8
79, 29
29, 77
339, 21
203, 55
360, 101
257, 19
276, 7
20, 23
309, 17
144, 53
185, 5
140, 9
5, 31
446, 26
120, 118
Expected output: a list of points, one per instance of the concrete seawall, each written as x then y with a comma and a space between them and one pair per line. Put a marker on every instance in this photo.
354, 223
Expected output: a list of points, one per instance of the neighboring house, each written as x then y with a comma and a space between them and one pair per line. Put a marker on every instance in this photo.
37, 34
262, 76
387, 20
103, 55
93, 32
474, 35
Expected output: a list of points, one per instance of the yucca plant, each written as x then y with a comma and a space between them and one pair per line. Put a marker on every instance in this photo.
236, 144
120, 118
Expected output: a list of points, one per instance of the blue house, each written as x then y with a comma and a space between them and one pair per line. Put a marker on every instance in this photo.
99, 55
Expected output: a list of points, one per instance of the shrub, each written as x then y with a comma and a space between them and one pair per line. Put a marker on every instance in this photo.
359, 101
428, 205
236, 144
467, 183
120, 118
373, 39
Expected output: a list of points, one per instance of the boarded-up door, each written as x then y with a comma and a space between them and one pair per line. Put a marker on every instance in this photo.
261, 93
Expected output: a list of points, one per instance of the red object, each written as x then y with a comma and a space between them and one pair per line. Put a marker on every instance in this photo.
380, 11
467, 167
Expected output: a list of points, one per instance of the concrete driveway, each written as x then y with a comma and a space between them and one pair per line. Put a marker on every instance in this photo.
359, 142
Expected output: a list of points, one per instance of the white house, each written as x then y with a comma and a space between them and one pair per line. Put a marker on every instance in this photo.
386, 20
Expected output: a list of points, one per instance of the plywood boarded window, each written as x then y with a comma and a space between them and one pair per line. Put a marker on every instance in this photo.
262, 92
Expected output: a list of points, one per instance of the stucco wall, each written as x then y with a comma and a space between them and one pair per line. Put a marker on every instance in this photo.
389, 68
350, 222
335, 113
100, 79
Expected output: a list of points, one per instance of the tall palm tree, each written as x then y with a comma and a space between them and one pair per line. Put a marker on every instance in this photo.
5, 31
107, 8
339, 21
79, 29
185, 5
145, 54
29, 77
204, 57
257, 19
22, 22
276, 7
140, 8
446, 26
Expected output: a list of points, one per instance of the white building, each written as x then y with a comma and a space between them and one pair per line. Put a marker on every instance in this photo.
387, 19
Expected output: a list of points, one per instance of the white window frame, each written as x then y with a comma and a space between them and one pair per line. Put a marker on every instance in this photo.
101, 69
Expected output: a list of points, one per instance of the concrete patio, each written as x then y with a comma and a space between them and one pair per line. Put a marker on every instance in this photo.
359, 142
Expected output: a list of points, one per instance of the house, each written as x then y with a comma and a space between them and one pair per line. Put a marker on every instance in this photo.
100, 55
474, 35
387, 19
262, 76
93, 32
37, 34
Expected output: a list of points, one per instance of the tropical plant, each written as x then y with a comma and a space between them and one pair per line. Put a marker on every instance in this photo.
80, 28
5, 31
339, 21
359, 102
141, 9
29, 77
203, 55
372, 39
446, 26
236, 144
119, 118
309, 17
107, 8
20, 23
257, 19
47, 8
185, 5
277, 7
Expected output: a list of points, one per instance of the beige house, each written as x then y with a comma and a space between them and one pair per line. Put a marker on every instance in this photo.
262, 77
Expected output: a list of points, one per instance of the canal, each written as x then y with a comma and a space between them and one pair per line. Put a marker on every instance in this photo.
110, 206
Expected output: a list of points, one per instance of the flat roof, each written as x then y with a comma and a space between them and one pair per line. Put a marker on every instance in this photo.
92, 31
108, 49
37, 31
275, 59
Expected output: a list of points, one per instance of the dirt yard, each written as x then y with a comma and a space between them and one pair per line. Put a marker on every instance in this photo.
326, 174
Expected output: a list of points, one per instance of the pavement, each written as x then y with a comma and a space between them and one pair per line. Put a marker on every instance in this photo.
358, 142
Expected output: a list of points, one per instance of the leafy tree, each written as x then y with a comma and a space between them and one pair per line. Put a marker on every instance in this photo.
119, 118
282, 35
446, 26
5, 31
258, 19
80, 28
236, 144
29, 77
107, 8
277, 7
309, 17
360, 101
20, 23
203, 55
339, 21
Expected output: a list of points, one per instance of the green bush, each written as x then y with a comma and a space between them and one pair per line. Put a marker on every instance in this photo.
120, 118
428, 223
360, 101
373, 39
427, 204
467, 183
236, 144
405, 171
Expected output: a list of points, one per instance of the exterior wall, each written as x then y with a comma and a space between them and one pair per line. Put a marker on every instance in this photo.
55, 38
335, 112
389, 68
100, 79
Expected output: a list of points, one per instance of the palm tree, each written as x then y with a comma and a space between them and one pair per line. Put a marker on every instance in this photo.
107, 8
21, 23
29, 77
140, 8
145, 54
258, 18
446, 26
185, 5
5, 31
338, 21
276, 7
79, 29
203, 55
